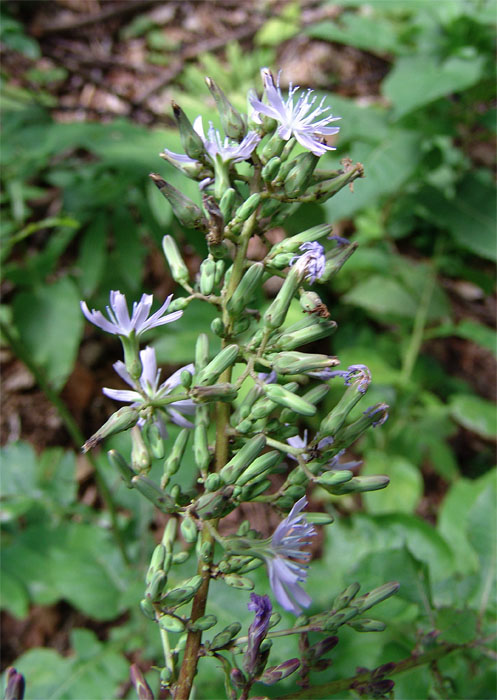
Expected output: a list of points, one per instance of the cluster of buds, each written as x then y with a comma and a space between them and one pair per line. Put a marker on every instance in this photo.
242, 407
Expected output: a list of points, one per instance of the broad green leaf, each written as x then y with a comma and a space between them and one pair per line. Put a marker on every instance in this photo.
280, 27
456, 626
477, 333
14, 597
382, 296
405, 489
373, 34
475, 414
418, 80
93, 254
50, 325
482, 534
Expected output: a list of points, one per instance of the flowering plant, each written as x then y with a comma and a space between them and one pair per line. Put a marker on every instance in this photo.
246, 450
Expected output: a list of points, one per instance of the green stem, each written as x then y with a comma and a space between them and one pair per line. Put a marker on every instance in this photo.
168, 657
327, 689
71, 427
416, 339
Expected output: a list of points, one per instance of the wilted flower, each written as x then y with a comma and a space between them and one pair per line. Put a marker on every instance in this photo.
380, 410
151, 390
358, 374
312, 262
334, 464
285, 573
120, 322
295, 118
261, 605
229, 151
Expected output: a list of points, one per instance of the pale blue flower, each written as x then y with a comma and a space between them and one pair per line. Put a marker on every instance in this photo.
149, 390
355, 374
296, 118
285, 574
312, 262
120, 322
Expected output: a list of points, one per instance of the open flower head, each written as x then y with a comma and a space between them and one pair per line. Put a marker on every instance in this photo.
286, 559
311, 264
227, 150
296, 116
150, 389
121, 323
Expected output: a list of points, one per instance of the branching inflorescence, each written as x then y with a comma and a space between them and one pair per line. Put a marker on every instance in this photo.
244, 450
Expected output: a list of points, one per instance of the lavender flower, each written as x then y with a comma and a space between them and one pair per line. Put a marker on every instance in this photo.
152, 391
120, 322
333, 464
261, 605
381, 410
295, 118
358, 374
227, 150
312, 262
290, 536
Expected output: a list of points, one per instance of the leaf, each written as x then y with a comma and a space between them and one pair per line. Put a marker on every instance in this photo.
93, 254
383, 296
50, 325
405, 489
456, 626
482, 534
352, 29
475, 332
15, 597
475, 414
418, 80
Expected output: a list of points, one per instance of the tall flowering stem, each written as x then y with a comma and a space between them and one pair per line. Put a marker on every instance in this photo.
249, 181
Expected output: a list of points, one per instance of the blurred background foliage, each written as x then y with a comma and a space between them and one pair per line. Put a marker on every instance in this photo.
86, 88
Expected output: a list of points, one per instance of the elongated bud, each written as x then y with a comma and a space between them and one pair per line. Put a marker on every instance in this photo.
179, 270
186, 211
191, 141
207, 276
215, 505
201, 351
214, 392
15, 685
156, 585
336, 418
140, 456
178, 304
278, 309
269, 207
123, 419
118, 461
245, 456
189, 530
376, 596
294, 362
365, 625
236, 581
276, 673
203, 623
182, 593
254, 489
372, 417
246, 288
328, 188
169, 535
173, 461
141, 686
274, 147
316, 394
156, 562
232, 121
153, 440
343, 599
335, 259
227, 203
171, 623
213, 482
270, 170
211, 372
244, 211
223, 638
260, 466
292, 244
320, 328
300, 175
237, 678
286, 398
147, 608
334, 478
360, 484
153, 493
201, 447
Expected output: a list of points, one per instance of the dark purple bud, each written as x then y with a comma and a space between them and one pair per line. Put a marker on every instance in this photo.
384, 670
261, 605
277, 673
316, 651
322, 664
237, 678
15, 685
142, 688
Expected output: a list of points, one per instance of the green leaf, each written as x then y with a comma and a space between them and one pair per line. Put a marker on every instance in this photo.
93, 254
456, 626
15, 597
405, 489
383, 296
418, 80
280, 28
482, 534
50, 325
475, 332
475, 414
377, 35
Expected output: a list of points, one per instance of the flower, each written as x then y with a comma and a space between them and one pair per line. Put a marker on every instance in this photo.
312, 262
290, 536
229, 151
295, 118
334, 464
120, 322
261, 605
357, 374
152, 391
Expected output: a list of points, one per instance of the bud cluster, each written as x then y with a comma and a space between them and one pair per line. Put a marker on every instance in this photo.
241, 409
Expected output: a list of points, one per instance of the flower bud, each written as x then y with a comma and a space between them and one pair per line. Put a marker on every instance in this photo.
141, 686
245, 290
118, 461
286, 398
360, 484
210, 373
274, 147
300, 175
186, 211
276, 673
246, 210
171, 623
213, 482
373, 416
215, 392
171, 465
123, 419
365, 625
237, 678
183, 593
156, 562
189, 530
232, 121
201, 351
252, 490
328, 188
335, 260
203, 623
333, 478
179, 270
243, 458
292, 244
153, 493
278, 309
15, 685
180, 557
216, 504
332, 423
153, 440
207, 276
262, 465
222, 639
140, 457
191, 141
294, 362
270, 170
227, 203
200, 447
236, 581
178, 304
320, 328
147, 608
156, 585
376, 596
269, 207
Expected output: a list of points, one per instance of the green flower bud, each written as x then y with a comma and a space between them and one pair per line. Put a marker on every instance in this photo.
213, 482
147, 608
203, 623
123, 419
297, 476
217, 327
365, 625
252, 490
278, 309
165, 676
334, 478
294, 362
240, 325
262, 465
179, 270
244, 426
246, 210
220, 267
280, 260
156, 585
336, 418
359, 484
376, 596
269, 207
204, 550
270, 170
189, 530
232, 121
190, 140
186, 211
118, 461
140, 457
328, 188
319, 518
273, 147
335, 259
374, 416
286, 398
216, 504
292, 244
156, 562
153, 440
224, 359
178, 304
200, 447
171, 623
180, 557
320, 328
243, 458
332, 622
227, 203
343, 599
183, 593
153, 493
215, 392
171, 465
245, 290
316, 394
222, 639
236, 581
207, 276
201, 351
300, 175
